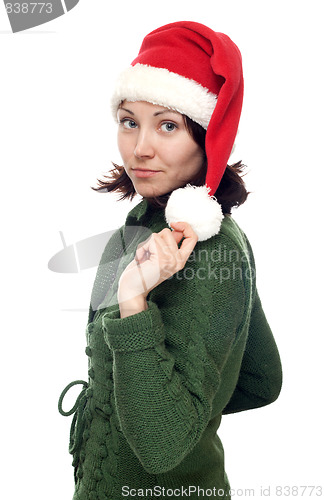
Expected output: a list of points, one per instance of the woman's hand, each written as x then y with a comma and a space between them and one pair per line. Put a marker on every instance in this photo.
156, 260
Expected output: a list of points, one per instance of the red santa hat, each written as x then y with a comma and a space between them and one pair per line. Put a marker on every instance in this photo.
187, 67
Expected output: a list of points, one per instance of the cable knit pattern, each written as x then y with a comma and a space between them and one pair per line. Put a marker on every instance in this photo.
160, 380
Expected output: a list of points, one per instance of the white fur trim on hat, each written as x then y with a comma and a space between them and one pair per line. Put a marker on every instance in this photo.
165, 88
193, 204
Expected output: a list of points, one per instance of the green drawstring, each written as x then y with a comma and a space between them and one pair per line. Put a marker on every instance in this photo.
78, 422
62, 396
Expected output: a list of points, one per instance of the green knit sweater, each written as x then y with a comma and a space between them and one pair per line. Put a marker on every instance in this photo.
145, 423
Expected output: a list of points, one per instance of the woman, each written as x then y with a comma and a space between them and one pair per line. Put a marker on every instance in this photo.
176, 334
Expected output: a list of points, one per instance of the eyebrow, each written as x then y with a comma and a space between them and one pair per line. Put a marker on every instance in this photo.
127, 111
166, 111
155, 114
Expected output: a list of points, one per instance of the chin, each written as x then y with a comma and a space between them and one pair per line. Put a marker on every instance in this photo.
149, 192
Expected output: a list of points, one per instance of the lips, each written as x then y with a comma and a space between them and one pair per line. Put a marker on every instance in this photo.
143, 172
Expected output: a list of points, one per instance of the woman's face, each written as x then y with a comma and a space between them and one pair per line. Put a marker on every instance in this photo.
158, 153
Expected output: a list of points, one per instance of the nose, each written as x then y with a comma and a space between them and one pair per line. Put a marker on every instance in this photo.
144, 145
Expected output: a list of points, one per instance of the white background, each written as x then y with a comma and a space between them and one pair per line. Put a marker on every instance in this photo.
57, 136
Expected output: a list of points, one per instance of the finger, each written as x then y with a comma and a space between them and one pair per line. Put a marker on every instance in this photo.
152, 247
169, 239
177, 235
166, 250
190, 239
185, 228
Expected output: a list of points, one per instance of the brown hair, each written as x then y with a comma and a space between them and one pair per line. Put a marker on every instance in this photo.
230, 193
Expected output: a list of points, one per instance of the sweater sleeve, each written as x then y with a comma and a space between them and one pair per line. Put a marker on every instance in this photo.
168, 362
117, 254
107, 270
260, 379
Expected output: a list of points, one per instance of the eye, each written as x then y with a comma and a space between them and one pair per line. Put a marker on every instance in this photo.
168, 126
127, 123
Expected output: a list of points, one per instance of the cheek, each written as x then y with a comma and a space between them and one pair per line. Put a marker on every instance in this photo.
120, 144
192, 158
124, 146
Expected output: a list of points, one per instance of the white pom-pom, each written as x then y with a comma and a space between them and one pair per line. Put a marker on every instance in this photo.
193, 204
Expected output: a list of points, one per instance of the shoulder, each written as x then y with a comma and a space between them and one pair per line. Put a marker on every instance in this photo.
230, 243
224, 264
231, 232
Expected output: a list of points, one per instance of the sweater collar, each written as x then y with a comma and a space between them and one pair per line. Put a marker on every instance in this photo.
139, 210
144, 212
